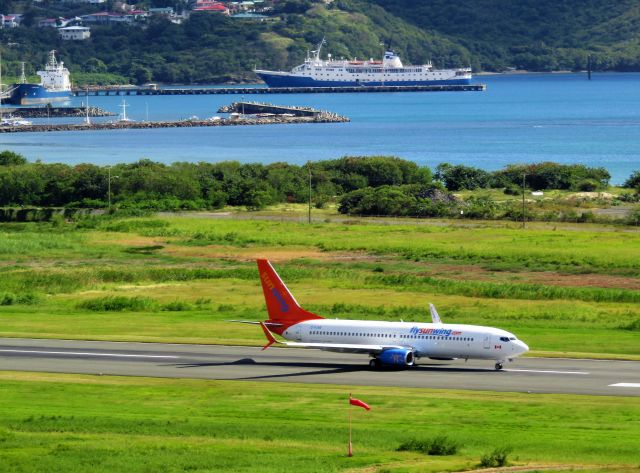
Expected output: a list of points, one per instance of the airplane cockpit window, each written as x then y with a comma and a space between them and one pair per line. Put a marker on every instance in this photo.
512, 338
504, 339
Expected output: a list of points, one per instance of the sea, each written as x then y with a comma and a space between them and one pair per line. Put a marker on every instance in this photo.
519, 118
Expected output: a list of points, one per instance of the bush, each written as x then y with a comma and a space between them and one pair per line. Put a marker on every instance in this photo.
496, 458
9, 298
177, 306
118, 304
588, 185
440, 445
633, 326
633, 182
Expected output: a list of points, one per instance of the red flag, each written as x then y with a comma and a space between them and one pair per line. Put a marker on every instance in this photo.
358, 402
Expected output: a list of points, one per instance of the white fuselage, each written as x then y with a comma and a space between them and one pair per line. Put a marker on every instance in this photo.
424, 339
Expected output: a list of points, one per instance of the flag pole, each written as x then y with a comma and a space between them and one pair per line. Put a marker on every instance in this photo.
350, 454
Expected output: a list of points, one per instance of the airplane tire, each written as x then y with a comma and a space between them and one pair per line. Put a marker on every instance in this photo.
499, 366
374, 364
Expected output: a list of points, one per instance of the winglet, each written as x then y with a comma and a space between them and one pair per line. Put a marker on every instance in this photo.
269, 336
435, 318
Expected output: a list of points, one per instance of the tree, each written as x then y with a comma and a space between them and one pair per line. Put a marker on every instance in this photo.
460, 177
633, 182
9, 158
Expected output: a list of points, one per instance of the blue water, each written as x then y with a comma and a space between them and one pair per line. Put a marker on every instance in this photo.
519, 118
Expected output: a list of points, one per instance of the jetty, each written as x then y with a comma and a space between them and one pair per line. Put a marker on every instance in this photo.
191, 123
134, 90
56, 112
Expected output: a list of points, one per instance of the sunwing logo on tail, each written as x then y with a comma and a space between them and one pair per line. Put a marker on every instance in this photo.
267, 281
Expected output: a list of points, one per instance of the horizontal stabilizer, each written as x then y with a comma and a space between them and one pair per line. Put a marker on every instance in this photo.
253, 322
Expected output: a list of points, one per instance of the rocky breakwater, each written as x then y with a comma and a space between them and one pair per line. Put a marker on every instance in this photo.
324, 117
58, 112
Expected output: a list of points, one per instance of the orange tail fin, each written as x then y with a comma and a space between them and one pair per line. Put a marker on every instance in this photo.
282, 307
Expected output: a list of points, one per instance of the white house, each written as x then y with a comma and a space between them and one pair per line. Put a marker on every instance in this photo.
75, 33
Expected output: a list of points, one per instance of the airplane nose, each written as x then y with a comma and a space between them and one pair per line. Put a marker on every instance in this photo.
522, 346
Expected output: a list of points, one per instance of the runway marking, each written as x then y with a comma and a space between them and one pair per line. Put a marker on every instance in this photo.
121, 355
550, 371
626, 385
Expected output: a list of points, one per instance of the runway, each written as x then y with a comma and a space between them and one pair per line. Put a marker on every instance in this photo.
534, 375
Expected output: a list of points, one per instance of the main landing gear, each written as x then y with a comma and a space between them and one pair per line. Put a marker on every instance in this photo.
374, 364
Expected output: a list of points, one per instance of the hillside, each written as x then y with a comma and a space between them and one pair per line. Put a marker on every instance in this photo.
210, 48
533, 34
214, 48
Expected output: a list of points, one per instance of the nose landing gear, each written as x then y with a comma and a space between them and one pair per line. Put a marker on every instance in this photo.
499, 366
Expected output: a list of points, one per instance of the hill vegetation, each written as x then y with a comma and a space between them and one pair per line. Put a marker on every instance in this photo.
489, 35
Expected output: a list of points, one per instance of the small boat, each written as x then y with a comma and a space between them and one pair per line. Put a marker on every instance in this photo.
123, 116
14, 121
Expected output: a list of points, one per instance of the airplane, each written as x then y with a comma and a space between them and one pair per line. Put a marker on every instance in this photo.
387, 343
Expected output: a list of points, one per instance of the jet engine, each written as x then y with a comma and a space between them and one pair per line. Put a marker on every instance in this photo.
397, 357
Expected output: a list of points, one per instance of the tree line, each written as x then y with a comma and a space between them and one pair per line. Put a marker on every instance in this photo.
373, 185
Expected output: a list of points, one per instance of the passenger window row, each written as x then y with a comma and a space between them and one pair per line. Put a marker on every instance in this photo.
387, 335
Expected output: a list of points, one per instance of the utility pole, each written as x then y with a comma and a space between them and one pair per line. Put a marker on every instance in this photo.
309, 168
109, 189
523, 209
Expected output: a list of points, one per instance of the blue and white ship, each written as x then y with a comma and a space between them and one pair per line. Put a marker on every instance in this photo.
317, 72
54, 85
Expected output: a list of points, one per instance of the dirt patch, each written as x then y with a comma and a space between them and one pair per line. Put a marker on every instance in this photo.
548, 278
250, 254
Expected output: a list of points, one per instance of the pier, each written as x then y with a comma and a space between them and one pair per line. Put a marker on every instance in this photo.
106, 91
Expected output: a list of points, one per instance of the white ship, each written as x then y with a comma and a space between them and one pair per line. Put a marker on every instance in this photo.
54, 85
317, 72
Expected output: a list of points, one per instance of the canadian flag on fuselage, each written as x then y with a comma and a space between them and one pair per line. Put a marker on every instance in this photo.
284, 311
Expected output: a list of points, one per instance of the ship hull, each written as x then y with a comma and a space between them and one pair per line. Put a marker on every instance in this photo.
34, 94
281, 80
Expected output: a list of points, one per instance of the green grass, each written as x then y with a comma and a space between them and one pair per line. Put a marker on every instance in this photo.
178, 279
76, 423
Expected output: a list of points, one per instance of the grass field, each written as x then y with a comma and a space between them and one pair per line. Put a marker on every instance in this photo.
565, 290
77, 423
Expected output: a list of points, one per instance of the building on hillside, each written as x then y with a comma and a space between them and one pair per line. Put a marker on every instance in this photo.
164, 11
90, 2
106, 18
48, 23
75, 33
137, 15
210, 6
10, 21
250, 16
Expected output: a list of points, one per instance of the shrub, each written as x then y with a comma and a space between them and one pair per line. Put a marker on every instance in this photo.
633, 326
496, 458
440, 445
633, 182
9, 298
177, 306
118, 304
588, 185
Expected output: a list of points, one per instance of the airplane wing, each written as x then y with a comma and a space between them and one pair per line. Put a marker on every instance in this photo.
435, 318
338, 347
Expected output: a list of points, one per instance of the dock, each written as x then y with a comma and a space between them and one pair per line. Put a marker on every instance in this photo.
261, 108
133, 90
